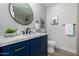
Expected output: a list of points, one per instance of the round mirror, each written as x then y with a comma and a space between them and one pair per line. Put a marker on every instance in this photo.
21, 13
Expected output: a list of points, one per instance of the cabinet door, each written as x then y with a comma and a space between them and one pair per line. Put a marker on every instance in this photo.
35, 45
36, 51
0, 51
39, 46
35, 41
44, 50
44, 45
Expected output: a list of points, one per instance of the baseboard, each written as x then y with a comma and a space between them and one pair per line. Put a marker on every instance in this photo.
66, 49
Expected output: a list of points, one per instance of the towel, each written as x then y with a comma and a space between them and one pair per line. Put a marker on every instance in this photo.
69, 29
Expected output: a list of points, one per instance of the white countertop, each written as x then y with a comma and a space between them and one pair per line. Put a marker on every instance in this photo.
11, 40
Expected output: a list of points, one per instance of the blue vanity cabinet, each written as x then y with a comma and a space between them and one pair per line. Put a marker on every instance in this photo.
39, 46
32, 47
17, 49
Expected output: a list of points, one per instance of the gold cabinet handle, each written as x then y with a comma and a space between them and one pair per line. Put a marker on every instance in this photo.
19, 49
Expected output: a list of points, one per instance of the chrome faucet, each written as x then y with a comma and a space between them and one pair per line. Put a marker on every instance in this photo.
28, 31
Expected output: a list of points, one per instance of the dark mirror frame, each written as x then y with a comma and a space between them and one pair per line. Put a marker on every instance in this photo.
17, 21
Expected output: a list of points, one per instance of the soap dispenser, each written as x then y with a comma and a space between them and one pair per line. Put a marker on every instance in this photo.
37, 25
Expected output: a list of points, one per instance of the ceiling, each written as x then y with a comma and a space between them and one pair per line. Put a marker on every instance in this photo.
48, 4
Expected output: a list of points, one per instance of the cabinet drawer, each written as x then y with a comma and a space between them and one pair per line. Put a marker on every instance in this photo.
23, 51
8, 50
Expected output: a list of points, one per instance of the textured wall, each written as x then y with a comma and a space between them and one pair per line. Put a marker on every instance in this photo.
67, 13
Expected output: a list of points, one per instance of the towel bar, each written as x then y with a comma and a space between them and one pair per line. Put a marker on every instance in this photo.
73, 24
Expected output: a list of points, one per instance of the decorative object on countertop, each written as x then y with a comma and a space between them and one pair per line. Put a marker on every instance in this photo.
37, 26
33, 30
42, 23
10, 32
42, 26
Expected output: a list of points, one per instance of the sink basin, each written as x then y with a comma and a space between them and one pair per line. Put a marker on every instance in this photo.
33, 35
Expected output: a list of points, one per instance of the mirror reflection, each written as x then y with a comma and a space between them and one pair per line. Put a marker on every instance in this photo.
21, 13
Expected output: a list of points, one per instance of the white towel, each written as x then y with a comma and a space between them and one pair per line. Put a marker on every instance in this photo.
69, 29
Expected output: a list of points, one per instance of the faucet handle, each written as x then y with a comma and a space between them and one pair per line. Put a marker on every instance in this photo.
23, 32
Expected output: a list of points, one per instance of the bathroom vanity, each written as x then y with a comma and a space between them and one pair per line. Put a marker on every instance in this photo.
34, 44
24, 45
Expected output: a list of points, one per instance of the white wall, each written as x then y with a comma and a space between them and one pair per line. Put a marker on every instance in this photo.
67, 13
7, 21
